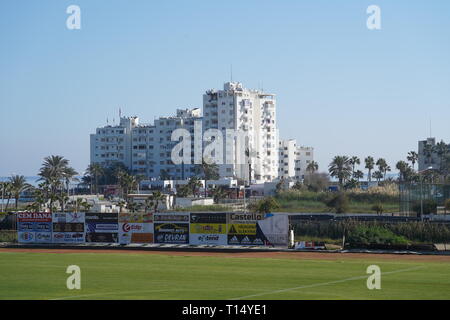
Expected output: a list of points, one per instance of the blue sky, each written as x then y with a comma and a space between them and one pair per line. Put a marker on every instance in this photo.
340, 87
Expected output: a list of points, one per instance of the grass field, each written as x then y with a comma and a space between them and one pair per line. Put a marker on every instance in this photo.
30, 275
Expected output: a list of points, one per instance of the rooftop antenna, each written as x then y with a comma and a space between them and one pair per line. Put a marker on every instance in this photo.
120, 113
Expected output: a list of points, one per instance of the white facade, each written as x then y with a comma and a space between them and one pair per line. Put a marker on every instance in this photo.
293, 159
152, 146
252, 112
146, 149
113, 143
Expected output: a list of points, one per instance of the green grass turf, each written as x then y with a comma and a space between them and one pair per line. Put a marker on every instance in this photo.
148, 276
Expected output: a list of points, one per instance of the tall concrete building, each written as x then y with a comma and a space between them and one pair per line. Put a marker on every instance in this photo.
293, 160
152, 146
428, 154
252, 112
146, 149
112, 143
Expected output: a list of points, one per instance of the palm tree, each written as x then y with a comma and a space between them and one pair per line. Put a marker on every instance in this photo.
383, 167
6, 192
95, 170
156, 197
312, 167
370, 164
218, 193
210, 171
53, 171
358, 174
18, 184
354, 161
378, 175
402, 167
340, 168
127, 182
412, 157
194, 183
441, 150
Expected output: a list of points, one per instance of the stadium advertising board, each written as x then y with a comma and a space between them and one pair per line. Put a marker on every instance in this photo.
275, 228
172, 228
257, 229
68, 227
208, 229
34, 227
102, 227
136, 228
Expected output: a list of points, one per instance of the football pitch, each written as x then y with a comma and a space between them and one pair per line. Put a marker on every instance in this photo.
161, 275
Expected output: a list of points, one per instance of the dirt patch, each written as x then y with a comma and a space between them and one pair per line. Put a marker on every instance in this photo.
273, 255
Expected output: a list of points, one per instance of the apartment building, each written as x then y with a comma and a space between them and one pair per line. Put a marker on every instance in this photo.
429, 154
152, 146
252, 112
293, 160
112, 143
146, 149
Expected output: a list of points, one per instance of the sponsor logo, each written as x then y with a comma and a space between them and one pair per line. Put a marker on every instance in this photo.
126, 227
258, 241
246, 216
210, 237
234, 240
44, 236
27, 236
244, 229
246, 240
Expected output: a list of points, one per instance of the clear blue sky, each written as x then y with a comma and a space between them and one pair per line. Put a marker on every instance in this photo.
341, 88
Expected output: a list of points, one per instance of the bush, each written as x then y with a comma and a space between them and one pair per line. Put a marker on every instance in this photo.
265, 205
447, 205
338, 202
378, 208
429, 206
374, 235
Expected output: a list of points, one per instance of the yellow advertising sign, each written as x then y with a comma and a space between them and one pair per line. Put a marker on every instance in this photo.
241, 228
209, 228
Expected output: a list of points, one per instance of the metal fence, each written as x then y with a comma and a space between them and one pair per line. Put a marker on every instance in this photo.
413, 194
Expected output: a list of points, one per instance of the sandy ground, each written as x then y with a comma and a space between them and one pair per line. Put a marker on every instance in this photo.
273, 255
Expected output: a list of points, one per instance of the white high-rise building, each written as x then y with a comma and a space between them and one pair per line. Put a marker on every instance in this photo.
250, 111
152, 146
146, 149
293, 160
112, 143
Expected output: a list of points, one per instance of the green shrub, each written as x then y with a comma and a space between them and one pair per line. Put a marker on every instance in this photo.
338, 202
374, 235
417, 232
378, 208
429, 206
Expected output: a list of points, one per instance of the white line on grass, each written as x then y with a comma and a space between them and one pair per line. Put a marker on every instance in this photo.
321, 284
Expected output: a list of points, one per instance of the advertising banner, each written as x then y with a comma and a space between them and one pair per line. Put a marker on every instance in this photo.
136, 228
275, 228
208, 229
102, 227
68, 227
172, 228
34, 227
258, 229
